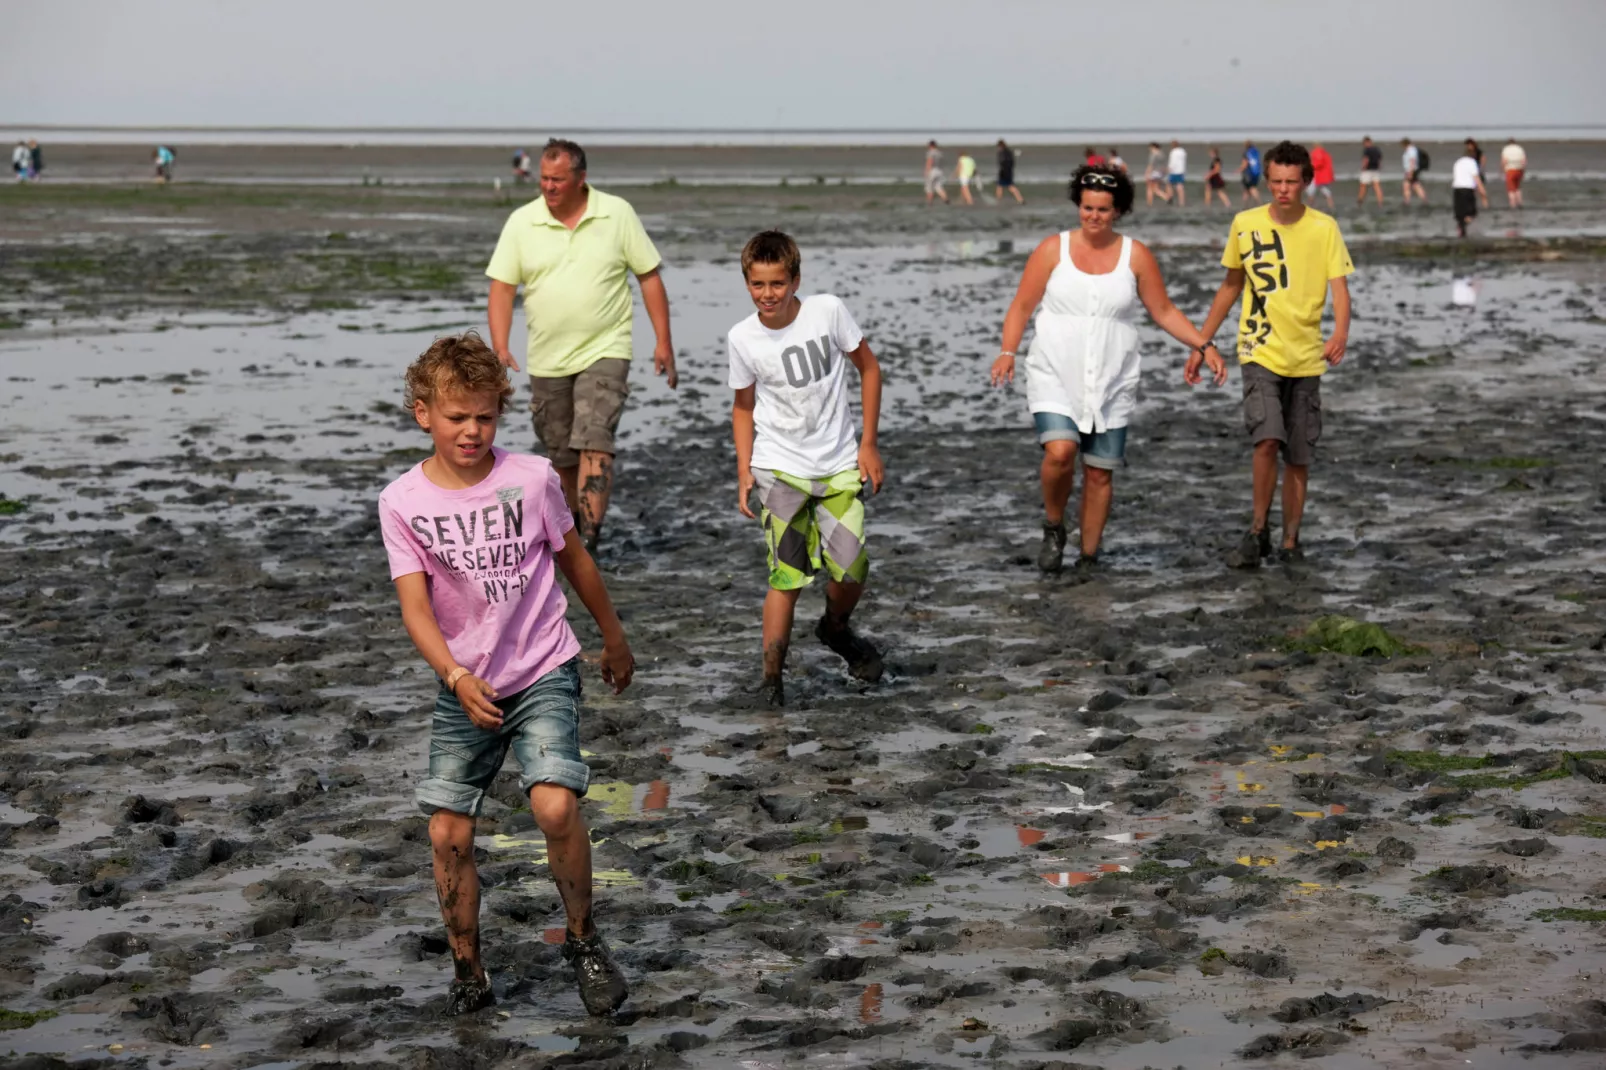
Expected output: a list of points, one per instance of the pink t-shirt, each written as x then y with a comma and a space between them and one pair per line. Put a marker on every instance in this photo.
486, 552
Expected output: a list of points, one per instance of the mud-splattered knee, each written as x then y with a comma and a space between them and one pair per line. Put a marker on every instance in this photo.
556, 809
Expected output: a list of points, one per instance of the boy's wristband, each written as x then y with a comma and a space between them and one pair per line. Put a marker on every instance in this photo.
454, 676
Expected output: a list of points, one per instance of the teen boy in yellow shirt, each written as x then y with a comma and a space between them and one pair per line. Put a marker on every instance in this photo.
1290, 255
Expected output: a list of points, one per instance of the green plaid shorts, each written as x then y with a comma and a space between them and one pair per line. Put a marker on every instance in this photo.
812, 522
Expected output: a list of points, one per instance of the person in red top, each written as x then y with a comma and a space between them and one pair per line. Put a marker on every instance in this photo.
1092, 158
1321, 163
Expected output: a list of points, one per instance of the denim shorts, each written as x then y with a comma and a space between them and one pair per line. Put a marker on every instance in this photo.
541, 724
1099, 449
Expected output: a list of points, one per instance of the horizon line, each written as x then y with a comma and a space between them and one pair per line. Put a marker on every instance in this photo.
758, 130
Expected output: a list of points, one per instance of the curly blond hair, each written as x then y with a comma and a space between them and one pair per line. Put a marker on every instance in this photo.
457, 364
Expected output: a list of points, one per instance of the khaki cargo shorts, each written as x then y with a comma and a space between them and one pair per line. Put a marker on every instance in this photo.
1287, 409
572, 413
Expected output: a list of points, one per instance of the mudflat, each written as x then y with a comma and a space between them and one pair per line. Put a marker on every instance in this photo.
1350, 810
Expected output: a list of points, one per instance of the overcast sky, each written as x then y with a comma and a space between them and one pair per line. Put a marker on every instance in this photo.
937, 64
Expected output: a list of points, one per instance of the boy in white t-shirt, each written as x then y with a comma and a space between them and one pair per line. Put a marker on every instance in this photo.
795, 443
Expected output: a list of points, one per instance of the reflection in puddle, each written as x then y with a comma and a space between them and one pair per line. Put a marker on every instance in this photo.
619, 799
1068, 879
870, 1004
1437, 949
1029, 836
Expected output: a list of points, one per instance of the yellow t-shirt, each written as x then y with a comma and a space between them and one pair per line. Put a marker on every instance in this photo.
1287, 269
576, 282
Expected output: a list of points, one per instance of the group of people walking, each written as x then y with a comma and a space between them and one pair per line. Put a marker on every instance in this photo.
1165, 175
965, 172
476, 535
28, 161
1082, 369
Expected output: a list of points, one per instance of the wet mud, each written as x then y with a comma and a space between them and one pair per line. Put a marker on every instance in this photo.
1173, 816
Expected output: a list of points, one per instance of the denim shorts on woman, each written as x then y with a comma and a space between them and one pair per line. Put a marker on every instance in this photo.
1099, 449
541, 724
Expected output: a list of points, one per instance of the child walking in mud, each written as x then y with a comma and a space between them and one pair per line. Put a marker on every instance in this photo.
1291, 256
795, 443
475, 535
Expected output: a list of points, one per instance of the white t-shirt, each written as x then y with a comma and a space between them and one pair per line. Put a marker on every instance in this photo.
1410, 159
800, 410
1464, 173
1512, 158
1178, 161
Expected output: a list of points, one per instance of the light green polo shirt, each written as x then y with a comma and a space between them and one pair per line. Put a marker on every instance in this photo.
576, 282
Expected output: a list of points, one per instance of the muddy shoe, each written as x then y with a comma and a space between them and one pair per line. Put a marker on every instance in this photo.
1051, 555
1250, 549
864, 660
602, 986
1084, 570
771, 695
466, 997
1291, 555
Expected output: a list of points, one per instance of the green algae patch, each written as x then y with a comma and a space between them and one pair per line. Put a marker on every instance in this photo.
1568, 914
10, 1019
760, 907
1353, 638
10, 506
1440, 763
1480, 772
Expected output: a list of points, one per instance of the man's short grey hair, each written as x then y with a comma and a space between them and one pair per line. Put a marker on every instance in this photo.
560, 146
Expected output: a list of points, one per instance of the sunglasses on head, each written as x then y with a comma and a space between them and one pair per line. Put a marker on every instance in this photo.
1106, 181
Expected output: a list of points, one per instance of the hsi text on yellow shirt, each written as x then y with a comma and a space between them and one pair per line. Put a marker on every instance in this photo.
1287, 269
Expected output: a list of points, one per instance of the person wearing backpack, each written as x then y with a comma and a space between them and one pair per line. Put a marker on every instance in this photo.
1413, 161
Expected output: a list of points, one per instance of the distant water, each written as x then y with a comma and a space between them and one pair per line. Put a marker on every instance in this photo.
527, 136
431, 157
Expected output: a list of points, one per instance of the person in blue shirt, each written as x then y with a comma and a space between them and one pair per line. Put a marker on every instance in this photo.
1249, 171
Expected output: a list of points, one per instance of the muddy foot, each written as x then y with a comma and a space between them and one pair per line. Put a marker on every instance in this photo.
864, 660
602, 986
466, 997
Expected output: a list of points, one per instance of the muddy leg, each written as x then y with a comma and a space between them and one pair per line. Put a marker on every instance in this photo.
779, 606
568, 851
569, 478
1294, 482
596, 488
840, 598
1265, 482
457, 884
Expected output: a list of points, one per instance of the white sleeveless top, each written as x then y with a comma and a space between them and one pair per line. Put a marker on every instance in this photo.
1084, 359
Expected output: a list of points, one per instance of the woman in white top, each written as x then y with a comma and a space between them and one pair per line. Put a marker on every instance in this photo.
1466, 185
1082, 371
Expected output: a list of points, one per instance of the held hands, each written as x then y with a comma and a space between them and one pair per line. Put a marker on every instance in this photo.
663, 363
1201, 357
1333, 351
505, 358
870, 466
744, 490
478, 701
1003, 371
618, 665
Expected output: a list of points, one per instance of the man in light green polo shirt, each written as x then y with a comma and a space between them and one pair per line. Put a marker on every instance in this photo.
573, 251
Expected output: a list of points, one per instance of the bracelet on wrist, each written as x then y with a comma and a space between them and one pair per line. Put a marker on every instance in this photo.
1006, 352
455, 675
